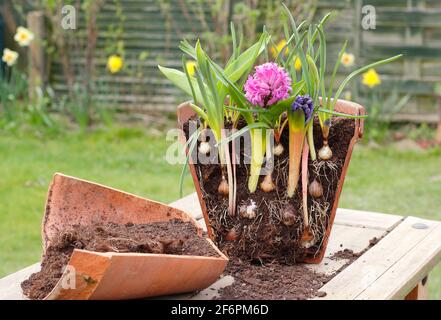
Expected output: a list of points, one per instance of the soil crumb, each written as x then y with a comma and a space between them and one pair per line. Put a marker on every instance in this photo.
172, 237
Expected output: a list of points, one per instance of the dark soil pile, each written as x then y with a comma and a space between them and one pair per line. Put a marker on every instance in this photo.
276, 281
272, 281
266, 238
173, 237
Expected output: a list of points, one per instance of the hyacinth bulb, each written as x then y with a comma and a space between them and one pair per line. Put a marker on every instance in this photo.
278, 149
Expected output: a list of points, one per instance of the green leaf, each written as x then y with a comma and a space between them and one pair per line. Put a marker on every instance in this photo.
235, 135
359, 71
179, 78
335, 113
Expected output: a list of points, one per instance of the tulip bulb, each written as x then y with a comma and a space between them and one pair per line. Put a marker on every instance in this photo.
278, 149
315, 189
223, 188
267, 185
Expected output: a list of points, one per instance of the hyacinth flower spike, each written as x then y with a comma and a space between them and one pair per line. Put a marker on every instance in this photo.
267, 86
298, 118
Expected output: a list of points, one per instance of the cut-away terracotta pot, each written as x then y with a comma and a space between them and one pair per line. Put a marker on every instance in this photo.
185, 113
111, 275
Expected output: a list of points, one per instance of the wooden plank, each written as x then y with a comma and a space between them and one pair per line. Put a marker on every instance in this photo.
373, 220
420, 292
409, 271
343, 237
10, 285
356, 278
189, 204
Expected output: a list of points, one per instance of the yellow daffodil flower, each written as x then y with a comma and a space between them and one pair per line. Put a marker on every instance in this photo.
114, 63
9, 57
298, 64
23, 36
279, 47
347, 59
371, 78
191, 67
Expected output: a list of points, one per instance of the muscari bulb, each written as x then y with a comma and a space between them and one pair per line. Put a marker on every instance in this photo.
315, 189
278, 149
267, 185
223, 188
325, 153
204, 147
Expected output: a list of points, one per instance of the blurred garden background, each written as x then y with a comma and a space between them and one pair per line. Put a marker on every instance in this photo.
80, 93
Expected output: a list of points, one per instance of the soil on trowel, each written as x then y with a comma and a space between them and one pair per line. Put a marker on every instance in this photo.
265, 237
172, 237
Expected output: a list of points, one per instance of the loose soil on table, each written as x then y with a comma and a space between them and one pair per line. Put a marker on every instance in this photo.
265, 237
173, 237
276, 281
272, 281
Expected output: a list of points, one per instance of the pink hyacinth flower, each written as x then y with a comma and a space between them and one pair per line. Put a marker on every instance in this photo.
269, 84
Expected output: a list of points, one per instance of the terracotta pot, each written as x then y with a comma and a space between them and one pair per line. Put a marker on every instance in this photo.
112, 275
185, 113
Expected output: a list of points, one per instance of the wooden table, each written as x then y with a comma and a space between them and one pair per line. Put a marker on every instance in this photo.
397, 267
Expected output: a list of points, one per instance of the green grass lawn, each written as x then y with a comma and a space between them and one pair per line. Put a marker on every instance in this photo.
405, 183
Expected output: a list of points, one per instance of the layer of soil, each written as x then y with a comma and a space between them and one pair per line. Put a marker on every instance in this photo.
276, 281
265, 237
173, 237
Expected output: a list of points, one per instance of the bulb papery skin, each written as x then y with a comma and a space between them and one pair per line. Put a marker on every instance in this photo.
325, 153
267, 185
315, 189
223, 188
278, 149
204, 147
